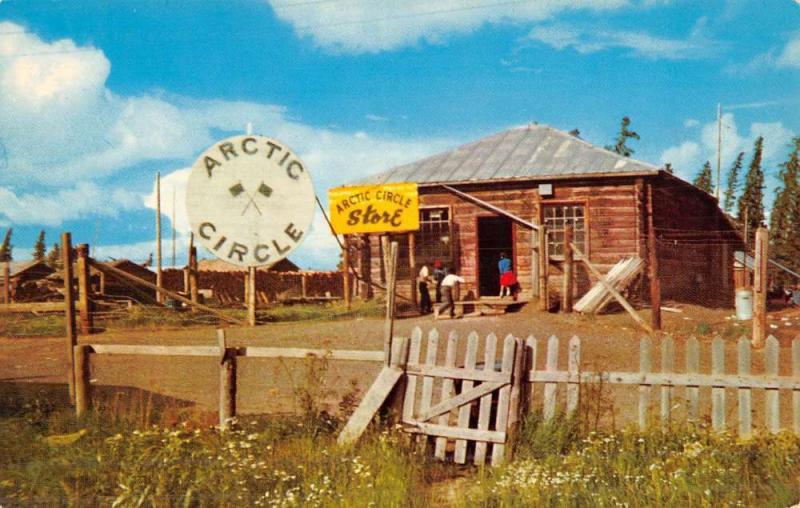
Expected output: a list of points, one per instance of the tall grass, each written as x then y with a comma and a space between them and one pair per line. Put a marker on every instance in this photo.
261, 463
558, 465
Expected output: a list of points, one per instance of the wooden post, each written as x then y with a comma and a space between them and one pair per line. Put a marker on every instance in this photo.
515, 402
346, 271
84, 289
652, 265
6, 282
227, 382
566, 296
69, 311
391, 287
303, 285
159, 274
760, 288
193, 276
82, 389
251, 295
412, 267
535, 263
186, 280
544, 301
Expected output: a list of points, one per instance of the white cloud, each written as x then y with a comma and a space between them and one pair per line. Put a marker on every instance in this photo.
681, 156
589, 40
690, 122
375, 118
380, 25
790, 56
52, 209
787, 57
688, 157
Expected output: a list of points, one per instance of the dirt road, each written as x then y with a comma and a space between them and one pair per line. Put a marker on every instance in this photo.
609, 342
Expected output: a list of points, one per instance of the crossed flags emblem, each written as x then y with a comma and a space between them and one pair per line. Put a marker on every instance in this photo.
238, 189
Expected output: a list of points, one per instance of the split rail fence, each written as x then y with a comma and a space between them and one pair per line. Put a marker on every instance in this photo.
466, 409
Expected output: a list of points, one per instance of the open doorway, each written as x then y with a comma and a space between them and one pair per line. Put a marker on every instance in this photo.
494, 237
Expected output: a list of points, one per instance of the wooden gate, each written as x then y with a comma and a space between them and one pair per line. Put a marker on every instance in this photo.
466, 408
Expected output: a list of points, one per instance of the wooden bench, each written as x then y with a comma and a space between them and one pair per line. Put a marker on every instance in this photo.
483, 307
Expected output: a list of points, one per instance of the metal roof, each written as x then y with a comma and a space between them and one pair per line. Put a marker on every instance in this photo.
529, 152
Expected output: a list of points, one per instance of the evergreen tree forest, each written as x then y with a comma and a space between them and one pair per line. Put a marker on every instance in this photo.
54, 257
39, 247
785, 217
751, 202
620, 146
733, 183
6, 247
703, 179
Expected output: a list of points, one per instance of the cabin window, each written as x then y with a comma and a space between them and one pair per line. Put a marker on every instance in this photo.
434, 240
556, 218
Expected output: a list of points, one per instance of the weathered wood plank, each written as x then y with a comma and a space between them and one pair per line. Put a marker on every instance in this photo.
667, 366
772, 406
411, 384
438, 371
718, 391
752, 381
484, 414
503, 398
549, 410
431, 354
692, 367
745, 394
369, 406
445, 432
645, 364
447, 391
531, 349
796, 390
471, 359
459, 400
33, 307
573, 364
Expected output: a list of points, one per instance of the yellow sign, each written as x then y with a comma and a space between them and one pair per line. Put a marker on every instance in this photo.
383, 208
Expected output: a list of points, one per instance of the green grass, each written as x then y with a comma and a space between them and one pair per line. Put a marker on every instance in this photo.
261, 463
24, 325
126, 461
558, 465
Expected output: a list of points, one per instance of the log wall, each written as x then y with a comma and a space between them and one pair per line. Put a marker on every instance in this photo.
613, 215
696, 244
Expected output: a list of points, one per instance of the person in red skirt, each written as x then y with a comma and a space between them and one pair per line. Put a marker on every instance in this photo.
508, 281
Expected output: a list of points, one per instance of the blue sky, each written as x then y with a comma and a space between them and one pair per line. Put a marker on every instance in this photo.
97, 96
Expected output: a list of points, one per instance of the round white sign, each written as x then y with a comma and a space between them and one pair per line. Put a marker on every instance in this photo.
250, 200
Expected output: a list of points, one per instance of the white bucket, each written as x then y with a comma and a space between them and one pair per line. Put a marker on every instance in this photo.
744, 304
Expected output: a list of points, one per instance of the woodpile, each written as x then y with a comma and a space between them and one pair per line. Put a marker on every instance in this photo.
620, 277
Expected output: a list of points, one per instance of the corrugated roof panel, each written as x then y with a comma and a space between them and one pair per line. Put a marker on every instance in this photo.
533, 151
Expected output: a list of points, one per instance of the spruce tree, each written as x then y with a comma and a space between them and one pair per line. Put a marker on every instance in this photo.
624, 133
39, 247
6, 247
703, 179
54, 257
733, 183
785, 216
751, 203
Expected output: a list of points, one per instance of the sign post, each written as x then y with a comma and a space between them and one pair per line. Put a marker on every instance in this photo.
385, 208
250, 202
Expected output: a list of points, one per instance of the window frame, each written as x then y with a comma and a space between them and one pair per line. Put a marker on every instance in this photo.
586, 222
419, 258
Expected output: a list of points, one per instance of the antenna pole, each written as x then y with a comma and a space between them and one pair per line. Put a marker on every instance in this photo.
159, 281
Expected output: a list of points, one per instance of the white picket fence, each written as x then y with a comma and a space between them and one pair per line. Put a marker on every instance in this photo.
744, 381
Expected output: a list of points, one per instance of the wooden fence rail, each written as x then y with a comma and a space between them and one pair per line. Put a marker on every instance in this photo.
464, 386
744, 381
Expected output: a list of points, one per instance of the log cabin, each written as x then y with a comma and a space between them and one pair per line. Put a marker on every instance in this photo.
471, 196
